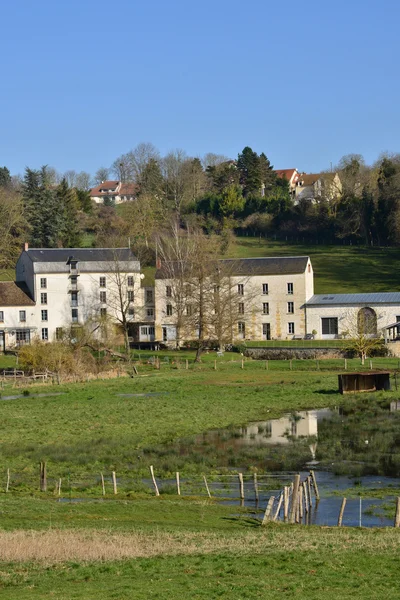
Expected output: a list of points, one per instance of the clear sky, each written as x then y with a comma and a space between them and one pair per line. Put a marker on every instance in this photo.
84, 81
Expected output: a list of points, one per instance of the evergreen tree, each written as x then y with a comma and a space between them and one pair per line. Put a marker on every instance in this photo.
5, 177
68, 203
84, 201
42, 209
151, 180
248, 165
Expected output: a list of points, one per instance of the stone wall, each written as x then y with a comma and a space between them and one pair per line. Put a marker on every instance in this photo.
293, 353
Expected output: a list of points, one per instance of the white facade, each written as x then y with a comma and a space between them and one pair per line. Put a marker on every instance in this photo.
71, 287
266, 298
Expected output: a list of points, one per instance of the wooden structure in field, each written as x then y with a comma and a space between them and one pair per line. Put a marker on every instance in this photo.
367, 381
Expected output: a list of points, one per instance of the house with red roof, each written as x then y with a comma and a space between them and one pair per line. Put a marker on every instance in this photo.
115, 191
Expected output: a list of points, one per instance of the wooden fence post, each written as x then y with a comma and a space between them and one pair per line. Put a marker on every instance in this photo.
207, 488
279, 506
8, 480
103, 487
43, 477
114, 479
241, 486
154, 480
268, 510
314, 485
397, 517
309, 491
255, 486
187, 364
345, 364
178, 485
370, 365
301, 502
305, 492
215, 365
340, 519
242, 363
285, 503
295, 495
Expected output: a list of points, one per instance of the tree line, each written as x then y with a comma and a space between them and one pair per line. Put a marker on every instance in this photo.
214, 193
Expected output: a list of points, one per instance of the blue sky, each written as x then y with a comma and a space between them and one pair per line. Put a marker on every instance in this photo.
85, 81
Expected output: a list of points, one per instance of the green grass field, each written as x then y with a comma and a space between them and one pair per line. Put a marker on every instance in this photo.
139, 546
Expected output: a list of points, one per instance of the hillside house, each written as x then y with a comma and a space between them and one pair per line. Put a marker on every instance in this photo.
114, 192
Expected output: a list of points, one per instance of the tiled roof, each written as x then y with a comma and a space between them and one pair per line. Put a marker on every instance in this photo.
14, 294
114, 188
288, 173
373, 298
286, 265
309, 178
83, 254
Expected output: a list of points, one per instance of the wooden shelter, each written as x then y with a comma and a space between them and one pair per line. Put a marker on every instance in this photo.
367, 381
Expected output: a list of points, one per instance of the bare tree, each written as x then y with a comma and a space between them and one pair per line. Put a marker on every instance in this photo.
83, 181
361, 329
177, 177
102, 174
213, 160
130, 166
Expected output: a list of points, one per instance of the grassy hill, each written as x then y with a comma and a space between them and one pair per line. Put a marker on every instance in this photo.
336, 268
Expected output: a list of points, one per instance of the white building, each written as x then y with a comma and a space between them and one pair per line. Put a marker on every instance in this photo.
342, 315
63, 287
267, 297
114, 191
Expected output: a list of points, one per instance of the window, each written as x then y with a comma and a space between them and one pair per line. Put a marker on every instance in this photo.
241, 328
74, 279
291, 328
290, 288
131, 296
266, 328
23, 336
265, 289
102, 282
45, 334
44, 315
130, 281
329, 326
241, 308
309, 268
103, 297
240, 289
150, 312
74, 315
103, 312
43, 298
43, 282
149, 296
72, 265
152, 330
22, 316
74, 298
59, 333
168, 291
1, 316
265, 308
290, 307
169, 309
131, 311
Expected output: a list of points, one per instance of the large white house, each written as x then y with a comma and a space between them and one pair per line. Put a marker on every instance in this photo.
63, 287
257, 299
114, 192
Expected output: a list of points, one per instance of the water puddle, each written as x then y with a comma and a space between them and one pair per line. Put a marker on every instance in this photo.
17, 396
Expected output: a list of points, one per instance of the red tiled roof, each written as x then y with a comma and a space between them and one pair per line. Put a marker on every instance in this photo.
114, 188
288, 173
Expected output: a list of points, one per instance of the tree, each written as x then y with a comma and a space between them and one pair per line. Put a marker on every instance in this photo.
151, 179
176, 175
143, 219
5, 177
231, 201
14, 229
130, 166
83, 181
362, 330
102, 174
213, 160
43, 211
67, 199
248, 165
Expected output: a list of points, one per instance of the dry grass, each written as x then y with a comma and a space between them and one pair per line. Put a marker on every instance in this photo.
88, 546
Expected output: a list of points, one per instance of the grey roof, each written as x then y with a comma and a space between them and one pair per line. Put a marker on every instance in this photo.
373, 298
81, 254
277, 265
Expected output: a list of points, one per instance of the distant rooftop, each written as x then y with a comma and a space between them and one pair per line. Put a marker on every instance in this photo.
373, 298
14, 294
81, 254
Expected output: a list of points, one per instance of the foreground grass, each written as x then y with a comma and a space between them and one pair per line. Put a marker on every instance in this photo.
162, 548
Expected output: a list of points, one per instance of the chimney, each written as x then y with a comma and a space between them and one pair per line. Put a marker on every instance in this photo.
25, 247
